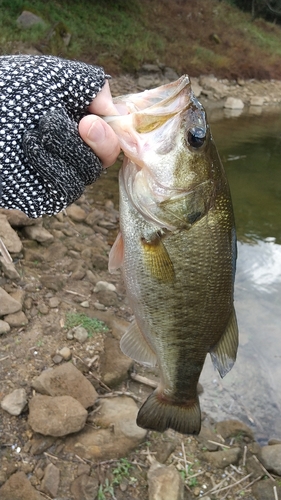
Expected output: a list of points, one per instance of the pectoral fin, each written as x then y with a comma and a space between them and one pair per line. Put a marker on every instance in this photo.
134, 345
116, 254
157, 260
224, 353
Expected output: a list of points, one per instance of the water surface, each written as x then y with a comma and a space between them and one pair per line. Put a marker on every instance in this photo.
250, 147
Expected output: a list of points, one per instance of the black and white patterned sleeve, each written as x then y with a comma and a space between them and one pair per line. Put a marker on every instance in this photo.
44, 163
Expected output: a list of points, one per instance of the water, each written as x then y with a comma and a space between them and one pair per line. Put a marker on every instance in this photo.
250, 147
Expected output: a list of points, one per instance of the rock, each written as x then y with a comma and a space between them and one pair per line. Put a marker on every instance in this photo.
114, 364
234, 428
4, 327
104, 285
270, 457
108, 298
9, 236
223, 458
66, 380
16, 218
170, 74
85, 304
18, 487
263, 490
254, 467
9, 269
56, 416
38, 233
66, 353
8, 305
57, 359
197, 89
40, 443
51, 480
233, 103
118, 433
15, 402
76, 213
54, 302
16, 319
206, 435
28, 19
164, 483
53, 282
80, 333
18, 295
257, 100
85, 487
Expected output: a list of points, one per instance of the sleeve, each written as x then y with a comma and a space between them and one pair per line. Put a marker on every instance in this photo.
44, 163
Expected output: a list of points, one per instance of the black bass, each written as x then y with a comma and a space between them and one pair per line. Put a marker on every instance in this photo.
176, 249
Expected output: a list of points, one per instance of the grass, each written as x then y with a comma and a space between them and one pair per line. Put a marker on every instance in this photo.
209, 36
92, 325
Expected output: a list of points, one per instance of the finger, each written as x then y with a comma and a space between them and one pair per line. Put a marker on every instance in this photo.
103, 104
101, 138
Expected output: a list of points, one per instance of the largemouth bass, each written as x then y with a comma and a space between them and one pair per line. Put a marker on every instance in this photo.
176, 249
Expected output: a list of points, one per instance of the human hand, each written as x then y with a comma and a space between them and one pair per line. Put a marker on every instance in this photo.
95, 131
45, 163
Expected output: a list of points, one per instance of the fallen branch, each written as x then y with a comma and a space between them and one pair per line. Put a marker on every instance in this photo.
143, 380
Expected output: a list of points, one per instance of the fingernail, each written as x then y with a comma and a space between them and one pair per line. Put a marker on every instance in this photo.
96, 132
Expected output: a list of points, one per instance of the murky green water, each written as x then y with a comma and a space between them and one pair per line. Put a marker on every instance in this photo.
250, 147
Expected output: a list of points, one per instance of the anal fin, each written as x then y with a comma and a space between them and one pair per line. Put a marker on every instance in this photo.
224, 353
134, 345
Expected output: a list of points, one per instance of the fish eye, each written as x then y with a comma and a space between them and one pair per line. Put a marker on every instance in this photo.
196, 137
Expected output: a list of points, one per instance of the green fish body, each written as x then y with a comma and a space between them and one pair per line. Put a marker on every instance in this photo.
176, 249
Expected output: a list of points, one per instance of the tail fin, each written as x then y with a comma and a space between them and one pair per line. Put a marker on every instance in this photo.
159, 413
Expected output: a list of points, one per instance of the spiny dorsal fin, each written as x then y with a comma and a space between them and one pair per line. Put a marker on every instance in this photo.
224, 353
134, 345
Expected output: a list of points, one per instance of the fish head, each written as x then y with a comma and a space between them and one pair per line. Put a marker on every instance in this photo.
169, 150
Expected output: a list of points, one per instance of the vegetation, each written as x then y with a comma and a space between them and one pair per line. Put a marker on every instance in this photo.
209, 36
92, 325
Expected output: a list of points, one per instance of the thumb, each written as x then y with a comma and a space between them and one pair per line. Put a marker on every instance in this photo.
101, 138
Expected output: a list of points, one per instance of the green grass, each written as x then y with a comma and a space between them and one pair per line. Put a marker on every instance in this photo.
92, 325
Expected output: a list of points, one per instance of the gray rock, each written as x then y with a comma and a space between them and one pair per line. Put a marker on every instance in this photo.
270, 457
164, 483
51, 480
170, 74
233, 103
18, 487
38, 233
263, 490
4, 327
16, 319
56, 416
9, 269
16, 218
40, 443
80, 333
8, 305
85, 487
257, 100
104, 285
234, 428
28, 19
54, 302
223, 458
14, 402
66, 380
114, 364
9, 236
118, 433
